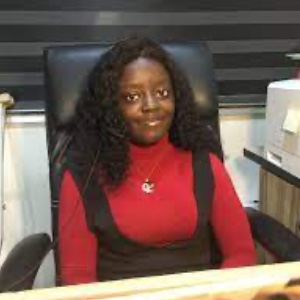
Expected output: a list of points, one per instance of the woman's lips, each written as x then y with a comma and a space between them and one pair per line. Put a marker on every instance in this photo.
153, 123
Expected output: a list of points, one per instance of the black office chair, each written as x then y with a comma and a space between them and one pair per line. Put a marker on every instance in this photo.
67, 69
66, 73
275, 238
20, 267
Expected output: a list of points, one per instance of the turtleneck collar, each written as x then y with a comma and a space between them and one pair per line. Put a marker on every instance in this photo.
137, 151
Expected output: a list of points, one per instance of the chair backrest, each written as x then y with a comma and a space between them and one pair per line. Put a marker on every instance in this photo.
67, 69
20, 267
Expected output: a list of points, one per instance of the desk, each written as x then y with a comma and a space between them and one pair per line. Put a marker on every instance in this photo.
229, 284
279, 194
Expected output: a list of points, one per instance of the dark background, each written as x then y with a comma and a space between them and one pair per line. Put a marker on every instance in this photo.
248, 39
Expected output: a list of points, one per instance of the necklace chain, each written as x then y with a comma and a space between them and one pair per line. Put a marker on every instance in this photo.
147, 185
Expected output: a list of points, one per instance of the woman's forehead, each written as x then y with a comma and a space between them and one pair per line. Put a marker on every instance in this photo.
144, 69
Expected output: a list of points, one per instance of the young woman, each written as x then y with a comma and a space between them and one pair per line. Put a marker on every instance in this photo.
143, 192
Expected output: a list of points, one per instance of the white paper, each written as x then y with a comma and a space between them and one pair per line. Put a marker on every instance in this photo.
292, 121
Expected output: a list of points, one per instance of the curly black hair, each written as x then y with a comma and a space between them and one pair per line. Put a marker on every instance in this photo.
101, 129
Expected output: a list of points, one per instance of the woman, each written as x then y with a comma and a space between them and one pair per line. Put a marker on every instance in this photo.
143, 191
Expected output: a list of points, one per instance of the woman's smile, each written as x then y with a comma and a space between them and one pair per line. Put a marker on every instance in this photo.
153, 123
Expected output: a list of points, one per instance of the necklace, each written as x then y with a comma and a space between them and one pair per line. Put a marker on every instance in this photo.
148, 186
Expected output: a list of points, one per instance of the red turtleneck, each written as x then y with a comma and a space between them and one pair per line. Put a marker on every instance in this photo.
166, 215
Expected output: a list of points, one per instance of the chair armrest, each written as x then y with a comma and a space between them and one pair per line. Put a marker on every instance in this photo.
277, 239
22, 263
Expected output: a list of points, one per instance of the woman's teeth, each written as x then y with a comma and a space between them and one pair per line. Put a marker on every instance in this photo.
153, 123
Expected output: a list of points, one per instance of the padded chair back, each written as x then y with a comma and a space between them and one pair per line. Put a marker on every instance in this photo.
67, 69
20, 267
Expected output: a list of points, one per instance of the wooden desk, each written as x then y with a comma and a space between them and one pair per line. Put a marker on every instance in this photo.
231, 284
279, 194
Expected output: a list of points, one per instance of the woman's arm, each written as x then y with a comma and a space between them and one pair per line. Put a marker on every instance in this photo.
77, 245
230, 222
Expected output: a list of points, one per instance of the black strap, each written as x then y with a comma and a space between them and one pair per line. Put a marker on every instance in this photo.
96, 206
203, 185
204, 193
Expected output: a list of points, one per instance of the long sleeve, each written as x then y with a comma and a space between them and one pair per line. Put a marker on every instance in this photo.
77, 245
230, 222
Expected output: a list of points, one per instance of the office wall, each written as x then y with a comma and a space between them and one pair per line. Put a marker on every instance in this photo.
238, 131
26, 187
248, 38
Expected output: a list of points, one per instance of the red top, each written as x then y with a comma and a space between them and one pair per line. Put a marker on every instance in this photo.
167, 215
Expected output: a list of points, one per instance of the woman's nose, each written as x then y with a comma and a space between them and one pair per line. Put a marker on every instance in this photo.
150, 102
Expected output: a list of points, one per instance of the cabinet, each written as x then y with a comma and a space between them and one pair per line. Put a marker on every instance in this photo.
280, 200
279, 196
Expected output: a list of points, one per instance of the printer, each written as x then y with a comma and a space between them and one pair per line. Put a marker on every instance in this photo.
282, 145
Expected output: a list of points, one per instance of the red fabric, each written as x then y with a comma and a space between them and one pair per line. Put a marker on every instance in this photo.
167, 215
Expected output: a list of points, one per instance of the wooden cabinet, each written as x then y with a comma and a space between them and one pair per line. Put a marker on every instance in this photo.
279, 195
280, 200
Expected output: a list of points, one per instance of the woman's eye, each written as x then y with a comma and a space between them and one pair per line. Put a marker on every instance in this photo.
133, 97
163, 93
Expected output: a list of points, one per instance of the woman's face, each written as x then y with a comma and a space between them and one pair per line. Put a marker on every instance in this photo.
146, 100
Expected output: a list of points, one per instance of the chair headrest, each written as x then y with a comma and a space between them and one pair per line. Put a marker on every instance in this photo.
67, 69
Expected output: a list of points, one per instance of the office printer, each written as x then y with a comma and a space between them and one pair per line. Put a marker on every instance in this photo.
282, 146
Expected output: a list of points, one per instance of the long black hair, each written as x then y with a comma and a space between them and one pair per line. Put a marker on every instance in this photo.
100, 127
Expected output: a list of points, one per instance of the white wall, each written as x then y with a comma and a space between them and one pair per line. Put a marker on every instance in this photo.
237, 132
26, 187
26, 191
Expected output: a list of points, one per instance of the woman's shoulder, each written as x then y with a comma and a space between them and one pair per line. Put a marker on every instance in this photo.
67, 179
218, 167
214, 159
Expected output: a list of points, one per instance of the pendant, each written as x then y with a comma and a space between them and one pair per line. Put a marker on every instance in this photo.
148, 187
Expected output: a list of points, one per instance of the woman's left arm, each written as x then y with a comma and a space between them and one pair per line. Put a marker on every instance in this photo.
229, 221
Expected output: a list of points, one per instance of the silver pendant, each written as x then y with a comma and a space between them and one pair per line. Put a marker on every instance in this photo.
148, 187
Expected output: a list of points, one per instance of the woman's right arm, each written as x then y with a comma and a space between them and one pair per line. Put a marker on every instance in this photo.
77, 245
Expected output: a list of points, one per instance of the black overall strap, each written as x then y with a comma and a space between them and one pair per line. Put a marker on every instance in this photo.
204, 193
203, 184
96, 207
